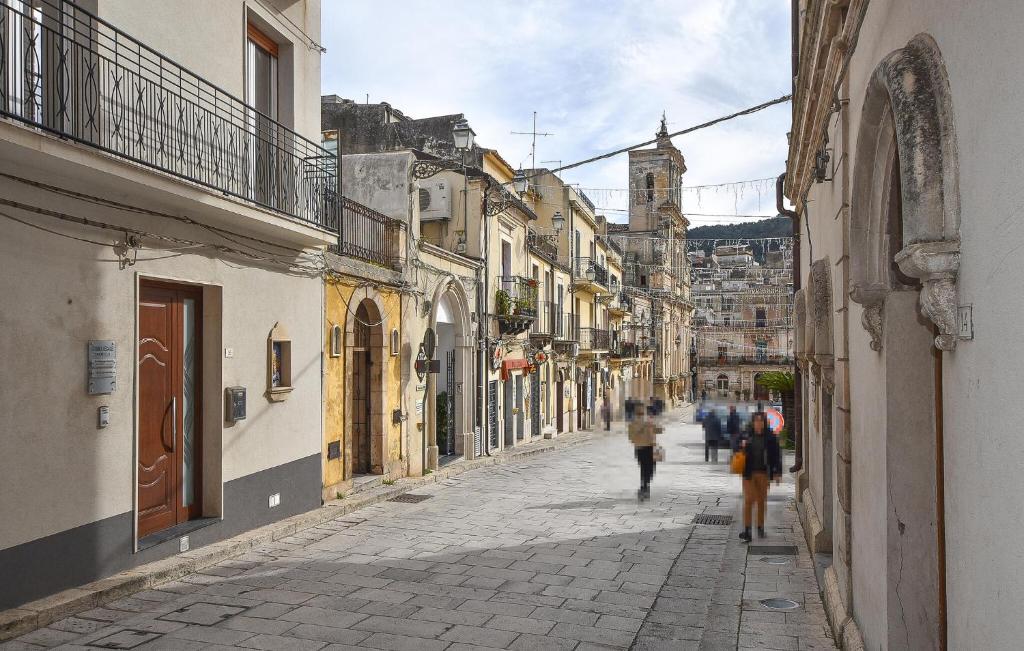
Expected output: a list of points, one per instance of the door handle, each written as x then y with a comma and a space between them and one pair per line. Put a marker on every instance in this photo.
174, 425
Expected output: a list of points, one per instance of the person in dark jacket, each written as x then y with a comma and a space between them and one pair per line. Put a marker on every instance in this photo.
712, 434
763, 463
733, 428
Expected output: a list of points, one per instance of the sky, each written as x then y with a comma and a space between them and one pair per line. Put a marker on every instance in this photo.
599, 74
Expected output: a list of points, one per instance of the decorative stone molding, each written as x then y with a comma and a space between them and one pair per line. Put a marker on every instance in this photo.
872, 299
936, 265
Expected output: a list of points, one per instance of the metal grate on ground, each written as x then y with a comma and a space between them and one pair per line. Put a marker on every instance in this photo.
772, 550
410, 498
712, 519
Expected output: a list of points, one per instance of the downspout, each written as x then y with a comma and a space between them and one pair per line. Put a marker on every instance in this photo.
572, 308
798, 437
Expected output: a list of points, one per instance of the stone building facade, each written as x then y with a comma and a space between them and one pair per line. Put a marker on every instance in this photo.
903, 172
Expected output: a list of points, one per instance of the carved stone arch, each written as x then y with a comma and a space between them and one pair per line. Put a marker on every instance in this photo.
907, 119
451, 292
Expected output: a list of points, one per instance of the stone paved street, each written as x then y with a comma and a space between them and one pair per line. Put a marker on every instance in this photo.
551, 553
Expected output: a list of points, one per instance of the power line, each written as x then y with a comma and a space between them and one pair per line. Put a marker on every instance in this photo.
703, 125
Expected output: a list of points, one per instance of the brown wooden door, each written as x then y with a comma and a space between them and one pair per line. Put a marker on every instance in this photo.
361, 411
169, 389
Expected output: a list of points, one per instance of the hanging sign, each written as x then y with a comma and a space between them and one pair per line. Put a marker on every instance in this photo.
496, 357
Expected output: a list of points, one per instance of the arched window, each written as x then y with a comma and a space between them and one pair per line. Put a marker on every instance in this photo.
336, 341
650, 187
723, 382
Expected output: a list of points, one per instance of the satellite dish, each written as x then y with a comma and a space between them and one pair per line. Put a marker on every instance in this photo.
429, 343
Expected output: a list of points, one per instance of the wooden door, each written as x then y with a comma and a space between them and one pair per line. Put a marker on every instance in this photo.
169, 391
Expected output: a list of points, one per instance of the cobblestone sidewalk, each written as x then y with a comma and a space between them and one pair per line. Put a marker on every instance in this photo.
550, 553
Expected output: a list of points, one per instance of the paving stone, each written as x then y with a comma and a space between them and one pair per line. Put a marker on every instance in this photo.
591, 634
402, 643
257, 625
520, 624
480, 636
397, 626
211, 634
279, 643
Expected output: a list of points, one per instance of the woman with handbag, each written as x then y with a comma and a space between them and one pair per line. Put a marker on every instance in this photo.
762, 462
643, 434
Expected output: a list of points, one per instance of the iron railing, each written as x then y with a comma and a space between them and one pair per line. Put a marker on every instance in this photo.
594, 339
734, 360
588, 269
370, 236
547, 318
624, 349
565, 327
66, 71
517, 297
543, 244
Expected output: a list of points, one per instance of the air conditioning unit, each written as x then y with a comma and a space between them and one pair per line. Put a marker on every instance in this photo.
435, 201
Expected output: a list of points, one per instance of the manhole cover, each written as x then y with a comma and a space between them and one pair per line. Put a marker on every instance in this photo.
774, 560
410, 498
712, 519
779, 604
772, 550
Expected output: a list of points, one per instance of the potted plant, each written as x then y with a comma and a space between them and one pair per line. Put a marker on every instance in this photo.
503, 302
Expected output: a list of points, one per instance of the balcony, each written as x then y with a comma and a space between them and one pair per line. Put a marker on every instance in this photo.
515, 304
594, 339
621, 304
624, 350
590, 275
738, 360
544, 245
67, 72
370, 236
545, 325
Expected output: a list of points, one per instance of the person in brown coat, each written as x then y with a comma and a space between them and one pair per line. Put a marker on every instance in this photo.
643, 434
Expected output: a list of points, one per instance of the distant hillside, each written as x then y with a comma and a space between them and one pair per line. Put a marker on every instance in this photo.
773, 227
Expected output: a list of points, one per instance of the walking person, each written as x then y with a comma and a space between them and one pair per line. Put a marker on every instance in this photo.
712, 434
643, 434
763, 462
606, 411
733, 429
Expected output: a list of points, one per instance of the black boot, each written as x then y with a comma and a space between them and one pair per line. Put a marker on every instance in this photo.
761, 533
746, 534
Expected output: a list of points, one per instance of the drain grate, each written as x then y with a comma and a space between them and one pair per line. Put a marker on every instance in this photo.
779, 604
410, 498
772, 550
712, 519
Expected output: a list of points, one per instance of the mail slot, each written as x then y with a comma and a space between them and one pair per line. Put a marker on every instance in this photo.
235, 409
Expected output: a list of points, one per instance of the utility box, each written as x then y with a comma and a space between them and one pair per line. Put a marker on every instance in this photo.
234, 410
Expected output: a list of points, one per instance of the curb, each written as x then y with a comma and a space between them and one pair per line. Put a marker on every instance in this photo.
42, 612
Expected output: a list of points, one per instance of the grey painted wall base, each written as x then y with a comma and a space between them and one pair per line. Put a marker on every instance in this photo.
75, 556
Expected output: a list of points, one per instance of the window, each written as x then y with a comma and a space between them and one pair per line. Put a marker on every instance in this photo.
723, 382
279, 364
762, 351
761, 318
261, 72
336, 341
650, 187
396, 345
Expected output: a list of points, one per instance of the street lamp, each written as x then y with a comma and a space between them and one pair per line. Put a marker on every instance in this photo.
519, 182
557, 221
590, 273
463, 135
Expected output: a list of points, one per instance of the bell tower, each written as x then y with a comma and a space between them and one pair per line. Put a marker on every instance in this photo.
655, 180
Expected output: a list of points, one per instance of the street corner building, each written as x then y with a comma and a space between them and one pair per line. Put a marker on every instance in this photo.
165, 203
903, 172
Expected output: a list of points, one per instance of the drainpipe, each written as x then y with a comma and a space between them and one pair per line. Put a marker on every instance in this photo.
484, 310
798, 436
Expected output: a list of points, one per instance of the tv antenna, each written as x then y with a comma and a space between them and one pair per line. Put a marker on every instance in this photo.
534, 133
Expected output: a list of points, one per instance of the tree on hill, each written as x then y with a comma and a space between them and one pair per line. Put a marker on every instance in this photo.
772, 227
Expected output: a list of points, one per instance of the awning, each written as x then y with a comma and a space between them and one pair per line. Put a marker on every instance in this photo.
509, 365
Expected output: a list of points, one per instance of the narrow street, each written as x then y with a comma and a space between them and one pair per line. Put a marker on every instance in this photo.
551, 553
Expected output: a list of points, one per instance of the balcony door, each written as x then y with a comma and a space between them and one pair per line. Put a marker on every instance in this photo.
169, 389
262, 94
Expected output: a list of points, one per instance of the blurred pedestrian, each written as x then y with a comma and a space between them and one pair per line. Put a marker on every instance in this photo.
763, 462
606, 411
733, 429
643, 434
712, 435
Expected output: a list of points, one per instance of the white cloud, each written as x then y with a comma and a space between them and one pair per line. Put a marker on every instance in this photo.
598, 73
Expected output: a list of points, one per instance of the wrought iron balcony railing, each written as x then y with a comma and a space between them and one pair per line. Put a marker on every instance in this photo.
735, 360
594, 339
546, 323
565, 327
517, 297
589, 270
544, 244
66, 71
370, 236
624, 349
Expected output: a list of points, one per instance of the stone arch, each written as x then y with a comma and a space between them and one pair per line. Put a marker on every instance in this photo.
907, 121
378, 425
451, 299
905, 255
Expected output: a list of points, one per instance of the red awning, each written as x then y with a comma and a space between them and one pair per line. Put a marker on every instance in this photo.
508, 365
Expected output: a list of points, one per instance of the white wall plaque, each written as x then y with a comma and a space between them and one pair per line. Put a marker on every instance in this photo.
102, 366
965, 321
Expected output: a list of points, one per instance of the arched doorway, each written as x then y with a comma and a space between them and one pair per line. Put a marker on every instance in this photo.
365, 403
760, 391
447, 431
905, 254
